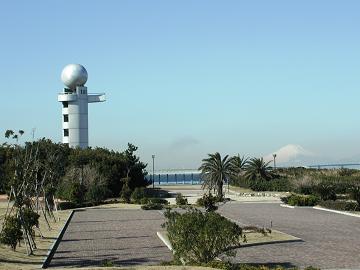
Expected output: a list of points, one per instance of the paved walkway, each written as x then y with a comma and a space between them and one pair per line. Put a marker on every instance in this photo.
124, 237
330, 240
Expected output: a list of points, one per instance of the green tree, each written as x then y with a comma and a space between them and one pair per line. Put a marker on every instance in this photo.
135, 168
215, 170
257, 168
239, 164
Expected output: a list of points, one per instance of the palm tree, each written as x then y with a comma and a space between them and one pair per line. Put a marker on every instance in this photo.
215, 170
239, 164
257, 168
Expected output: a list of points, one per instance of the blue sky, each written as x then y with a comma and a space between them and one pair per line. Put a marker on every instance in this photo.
186, 78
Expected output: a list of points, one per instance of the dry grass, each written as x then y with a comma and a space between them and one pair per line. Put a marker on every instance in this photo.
116, 205
240, 189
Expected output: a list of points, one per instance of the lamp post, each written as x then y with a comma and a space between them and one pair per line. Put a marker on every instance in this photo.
274, 155
153, 172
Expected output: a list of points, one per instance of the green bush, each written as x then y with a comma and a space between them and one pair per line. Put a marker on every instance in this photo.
144, 201
198, 237
354, 191
152, 206
31, 219
107, 263
300, 200
11, 233
72, 191
96, 193
340, 205
240, 182
208, 201
67, 205
138, 194
158, 201
181, 200
325, 190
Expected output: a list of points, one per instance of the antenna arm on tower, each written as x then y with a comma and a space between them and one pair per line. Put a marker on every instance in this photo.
92, 98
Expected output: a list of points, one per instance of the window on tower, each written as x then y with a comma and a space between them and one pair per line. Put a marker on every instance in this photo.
66, 133
65, 104
66, 118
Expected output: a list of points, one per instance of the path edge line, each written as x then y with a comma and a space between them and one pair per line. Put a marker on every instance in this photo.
56, 243
336, 211
165, 240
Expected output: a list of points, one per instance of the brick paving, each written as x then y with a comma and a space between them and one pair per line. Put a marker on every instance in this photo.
330, 240
124, 237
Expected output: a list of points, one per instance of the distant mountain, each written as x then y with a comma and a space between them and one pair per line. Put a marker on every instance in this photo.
293, 155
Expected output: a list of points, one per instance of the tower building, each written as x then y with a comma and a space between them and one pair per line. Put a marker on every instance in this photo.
75, 99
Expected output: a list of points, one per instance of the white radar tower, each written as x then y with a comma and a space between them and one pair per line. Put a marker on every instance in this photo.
75, 99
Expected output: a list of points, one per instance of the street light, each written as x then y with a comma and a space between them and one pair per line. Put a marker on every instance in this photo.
274, 155
153, 178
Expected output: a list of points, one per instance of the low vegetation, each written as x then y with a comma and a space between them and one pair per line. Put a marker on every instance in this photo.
199, 237
208, 201
181, 200
301, 200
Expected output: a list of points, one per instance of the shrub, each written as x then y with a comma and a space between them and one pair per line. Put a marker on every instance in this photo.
31, 219
340, 205
181, 200
67, 205
300, 200
72, 191
138, 194
325, 190
158, 201
152, 206
144, 201
208, 201
97, 193
199, 237
354, 191
107, 263
11, 233
240, 182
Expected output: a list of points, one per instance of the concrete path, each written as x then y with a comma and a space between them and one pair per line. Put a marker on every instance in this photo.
330, 240
124, 237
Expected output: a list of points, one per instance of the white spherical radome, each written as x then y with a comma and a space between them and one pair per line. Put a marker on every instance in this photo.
74, 75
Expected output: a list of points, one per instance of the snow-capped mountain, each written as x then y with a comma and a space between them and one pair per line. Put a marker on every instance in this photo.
293, 155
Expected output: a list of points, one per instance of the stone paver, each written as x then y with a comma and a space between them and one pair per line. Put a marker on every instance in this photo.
124, 237
330, 240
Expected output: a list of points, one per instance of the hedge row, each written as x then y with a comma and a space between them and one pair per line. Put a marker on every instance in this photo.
340, 205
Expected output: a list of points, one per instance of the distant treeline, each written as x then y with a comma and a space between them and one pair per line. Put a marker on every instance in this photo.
64, 171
